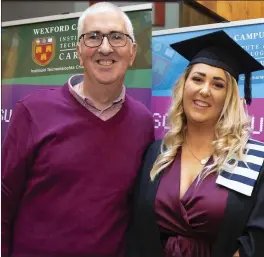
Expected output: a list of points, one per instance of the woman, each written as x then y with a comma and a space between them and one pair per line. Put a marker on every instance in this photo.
200, 192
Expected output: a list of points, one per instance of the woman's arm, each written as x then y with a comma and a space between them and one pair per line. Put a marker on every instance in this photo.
252, 242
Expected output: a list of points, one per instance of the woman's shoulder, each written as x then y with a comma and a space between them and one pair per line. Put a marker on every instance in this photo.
245, 176
255, 144
255, 152
255, 163
150, 156
155, 146
153, 150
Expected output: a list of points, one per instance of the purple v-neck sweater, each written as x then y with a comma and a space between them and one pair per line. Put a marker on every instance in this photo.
67, 176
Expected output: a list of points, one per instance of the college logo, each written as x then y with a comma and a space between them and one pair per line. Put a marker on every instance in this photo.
43, 50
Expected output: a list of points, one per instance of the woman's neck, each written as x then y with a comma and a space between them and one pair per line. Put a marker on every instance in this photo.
200, 138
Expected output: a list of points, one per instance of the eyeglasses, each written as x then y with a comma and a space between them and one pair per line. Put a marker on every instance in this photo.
95, 38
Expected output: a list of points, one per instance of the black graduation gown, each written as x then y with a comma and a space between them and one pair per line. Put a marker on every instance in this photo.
242, 226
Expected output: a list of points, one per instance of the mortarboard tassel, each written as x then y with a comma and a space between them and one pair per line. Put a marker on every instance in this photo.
247, 88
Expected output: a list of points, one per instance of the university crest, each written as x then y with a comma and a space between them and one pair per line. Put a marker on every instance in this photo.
43, 50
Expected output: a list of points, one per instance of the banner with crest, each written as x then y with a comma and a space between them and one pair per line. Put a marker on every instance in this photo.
43, 54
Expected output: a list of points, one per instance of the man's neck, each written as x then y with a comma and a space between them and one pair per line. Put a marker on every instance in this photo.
101, 95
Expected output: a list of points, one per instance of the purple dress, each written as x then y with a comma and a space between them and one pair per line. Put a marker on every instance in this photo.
188, 226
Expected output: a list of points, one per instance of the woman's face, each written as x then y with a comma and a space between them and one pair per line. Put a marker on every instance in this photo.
204, 94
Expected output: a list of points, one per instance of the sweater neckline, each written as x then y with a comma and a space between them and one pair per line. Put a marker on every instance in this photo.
118, 117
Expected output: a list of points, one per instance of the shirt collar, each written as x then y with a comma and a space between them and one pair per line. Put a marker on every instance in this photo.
74, 82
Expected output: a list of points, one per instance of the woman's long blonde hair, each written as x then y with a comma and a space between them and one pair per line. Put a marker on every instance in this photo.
231, 131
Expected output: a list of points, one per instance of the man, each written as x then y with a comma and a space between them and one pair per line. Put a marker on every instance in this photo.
71, 155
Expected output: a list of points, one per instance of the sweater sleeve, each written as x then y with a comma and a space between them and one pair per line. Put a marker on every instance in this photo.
252, 242
15, 166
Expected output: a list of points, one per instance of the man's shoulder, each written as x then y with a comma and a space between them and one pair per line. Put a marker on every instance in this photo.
41, 96
138, 106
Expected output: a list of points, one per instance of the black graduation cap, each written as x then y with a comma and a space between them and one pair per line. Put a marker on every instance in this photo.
220, 50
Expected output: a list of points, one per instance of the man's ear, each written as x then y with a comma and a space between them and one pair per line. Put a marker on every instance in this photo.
79, 54
133, 54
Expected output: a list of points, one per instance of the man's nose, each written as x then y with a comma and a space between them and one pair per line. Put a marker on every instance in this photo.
105, 47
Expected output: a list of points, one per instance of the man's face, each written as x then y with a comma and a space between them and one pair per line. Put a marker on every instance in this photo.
106, 64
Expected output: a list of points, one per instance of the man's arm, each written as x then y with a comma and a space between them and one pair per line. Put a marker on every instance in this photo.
16, 160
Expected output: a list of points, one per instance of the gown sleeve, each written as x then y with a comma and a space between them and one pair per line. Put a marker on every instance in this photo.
252, 242
133, 247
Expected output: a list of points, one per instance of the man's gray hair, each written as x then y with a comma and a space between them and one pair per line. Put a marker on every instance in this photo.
105, 7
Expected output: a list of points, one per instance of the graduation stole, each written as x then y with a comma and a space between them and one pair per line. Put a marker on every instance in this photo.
243, 177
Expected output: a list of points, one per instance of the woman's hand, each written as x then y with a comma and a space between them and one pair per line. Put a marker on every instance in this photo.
236, 254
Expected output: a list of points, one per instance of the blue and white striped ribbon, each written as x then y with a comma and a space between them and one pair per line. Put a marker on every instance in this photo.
242, 178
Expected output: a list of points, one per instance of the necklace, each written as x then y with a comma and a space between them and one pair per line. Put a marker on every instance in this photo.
202, 161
